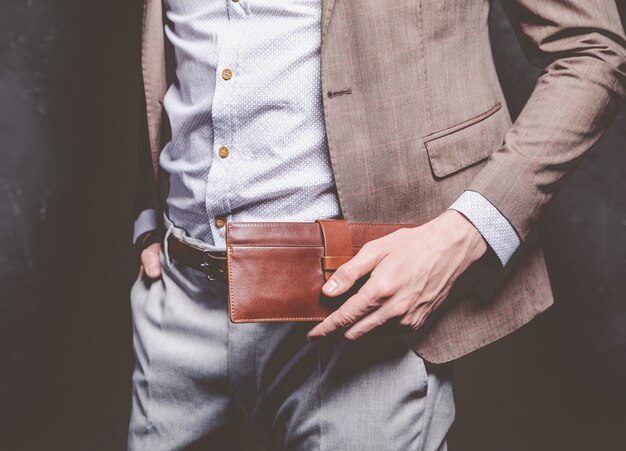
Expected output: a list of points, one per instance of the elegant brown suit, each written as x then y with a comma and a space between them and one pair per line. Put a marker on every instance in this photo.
415, 115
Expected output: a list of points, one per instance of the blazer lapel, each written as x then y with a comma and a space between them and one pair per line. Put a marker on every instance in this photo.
153, 71
327, 10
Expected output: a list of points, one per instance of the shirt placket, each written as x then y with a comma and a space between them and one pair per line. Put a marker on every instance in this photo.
220, 179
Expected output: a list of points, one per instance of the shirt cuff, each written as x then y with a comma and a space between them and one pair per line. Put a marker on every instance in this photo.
492, 225
146, 221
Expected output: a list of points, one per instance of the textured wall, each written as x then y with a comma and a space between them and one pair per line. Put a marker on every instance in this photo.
69, 84
69, 88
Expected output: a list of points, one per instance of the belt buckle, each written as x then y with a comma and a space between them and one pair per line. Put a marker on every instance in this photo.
209, 265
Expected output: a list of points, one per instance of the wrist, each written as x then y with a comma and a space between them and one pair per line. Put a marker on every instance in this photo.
465, 234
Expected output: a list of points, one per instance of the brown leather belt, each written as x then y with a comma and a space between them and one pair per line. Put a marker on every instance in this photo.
213, 264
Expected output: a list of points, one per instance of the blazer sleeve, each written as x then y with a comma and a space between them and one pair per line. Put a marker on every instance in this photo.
581, 48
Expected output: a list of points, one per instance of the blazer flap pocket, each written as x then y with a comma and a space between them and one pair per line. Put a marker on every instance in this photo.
467, 143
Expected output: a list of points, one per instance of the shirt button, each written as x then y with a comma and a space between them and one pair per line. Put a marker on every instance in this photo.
223, 152
227, 74
220, 221
235, 1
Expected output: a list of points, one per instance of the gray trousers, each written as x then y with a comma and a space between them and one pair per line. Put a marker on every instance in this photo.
196, 372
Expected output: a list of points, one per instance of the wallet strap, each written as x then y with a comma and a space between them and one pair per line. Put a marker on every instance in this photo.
337, 241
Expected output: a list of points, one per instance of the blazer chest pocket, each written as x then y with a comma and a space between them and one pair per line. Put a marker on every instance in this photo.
467, 143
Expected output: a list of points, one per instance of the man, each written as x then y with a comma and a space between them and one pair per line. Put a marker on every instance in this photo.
371, 111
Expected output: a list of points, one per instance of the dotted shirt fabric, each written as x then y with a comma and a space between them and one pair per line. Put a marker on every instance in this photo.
268, 115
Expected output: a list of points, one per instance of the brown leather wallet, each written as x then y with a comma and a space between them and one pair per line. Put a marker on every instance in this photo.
276, 270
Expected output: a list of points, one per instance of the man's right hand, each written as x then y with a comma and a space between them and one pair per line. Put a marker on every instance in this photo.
150, 260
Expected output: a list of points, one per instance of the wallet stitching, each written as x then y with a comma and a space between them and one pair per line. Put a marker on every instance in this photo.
277, 246
285, 319
310, 246
294, 224
231, 299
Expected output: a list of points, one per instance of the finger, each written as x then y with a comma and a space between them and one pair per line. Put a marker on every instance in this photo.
421, 313
355, 308
150, 259
387, 312
347, 274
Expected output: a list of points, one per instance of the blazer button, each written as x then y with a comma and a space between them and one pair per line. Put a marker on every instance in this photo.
220, 221
227, 74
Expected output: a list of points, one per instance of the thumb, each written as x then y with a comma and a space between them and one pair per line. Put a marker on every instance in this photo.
150, 259
347, 274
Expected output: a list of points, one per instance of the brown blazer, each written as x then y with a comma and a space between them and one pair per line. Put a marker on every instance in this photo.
415, 115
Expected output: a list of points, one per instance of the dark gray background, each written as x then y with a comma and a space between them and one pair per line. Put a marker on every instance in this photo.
69, 90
